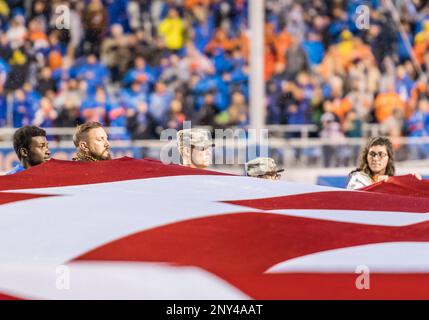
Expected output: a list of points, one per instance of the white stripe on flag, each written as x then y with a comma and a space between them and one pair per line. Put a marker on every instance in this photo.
114, 280
389, 257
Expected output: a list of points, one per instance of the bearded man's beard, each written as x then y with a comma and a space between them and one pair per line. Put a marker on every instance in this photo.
103, 156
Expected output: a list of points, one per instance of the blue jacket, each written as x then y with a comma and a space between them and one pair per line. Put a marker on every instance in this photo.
16, 169
314, 50
133, 75
130, 99
94, 74
24, 116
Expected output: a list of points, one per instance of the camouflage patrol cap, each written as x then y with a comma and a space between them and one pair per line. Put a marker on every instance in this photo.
194, 137
261, 166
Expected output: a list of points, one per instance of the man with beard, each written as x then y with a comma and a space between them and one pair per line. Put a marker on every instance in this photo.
31, 147
195, 147
91, 143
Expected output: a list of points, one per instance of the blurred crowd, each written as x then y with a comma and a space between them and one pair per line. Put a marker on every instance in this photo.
147, 65
142, 65
325, 66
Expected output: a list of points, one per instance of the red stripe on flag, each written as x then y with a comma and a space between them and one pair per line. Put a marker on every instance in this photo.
339, 200
9, 197
329, 286
60, 173
8, 297
243, 246
407, 185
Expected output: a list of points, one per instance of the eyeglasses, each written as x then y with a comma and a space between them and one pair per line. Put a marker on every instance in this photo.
380, 154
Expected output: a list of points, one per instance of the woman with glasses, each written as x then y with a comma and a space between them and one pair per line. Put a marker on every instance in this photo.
376, 164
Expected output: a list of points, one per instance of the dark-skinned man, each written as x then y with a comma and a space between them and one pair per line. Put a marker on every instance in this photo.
31, 147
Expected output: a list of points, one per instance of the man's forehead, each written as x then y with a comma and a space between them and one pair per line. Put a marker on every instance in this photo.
38, 139
97, 132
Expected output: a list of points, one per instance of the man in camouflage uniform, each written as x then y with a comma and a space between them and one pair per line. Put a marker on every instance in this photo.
195, 147
264, 168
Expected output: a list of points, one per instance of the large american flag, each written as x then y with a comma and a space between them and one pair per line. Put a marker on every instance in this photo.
139, 229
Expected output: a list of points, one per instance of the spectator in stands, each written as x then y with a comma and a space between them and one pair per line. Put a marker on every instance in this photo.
46, 115
5, 47
295, 21
314, 48
333, 152
46, 82
95, 24
70, 92
206, 115
339, 103
376, 163
403, 83
69, 115
117, 13
95, 107
175, 73
37, 34
160, 102
296, 60
140, 123
17, 32
197, 62
238, 110
76, 31
418, 126
40, 11
293, 106
62, 74
142, 74
129, 98
387, 101
282, 98
116, 117
172, 29
91, 142
31, 147
394, 125
360, 98
204, 26
22, 110
220, 41
176, 115
116, 52
94, 73
19, 67
3, 109
352, 127
4, 71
